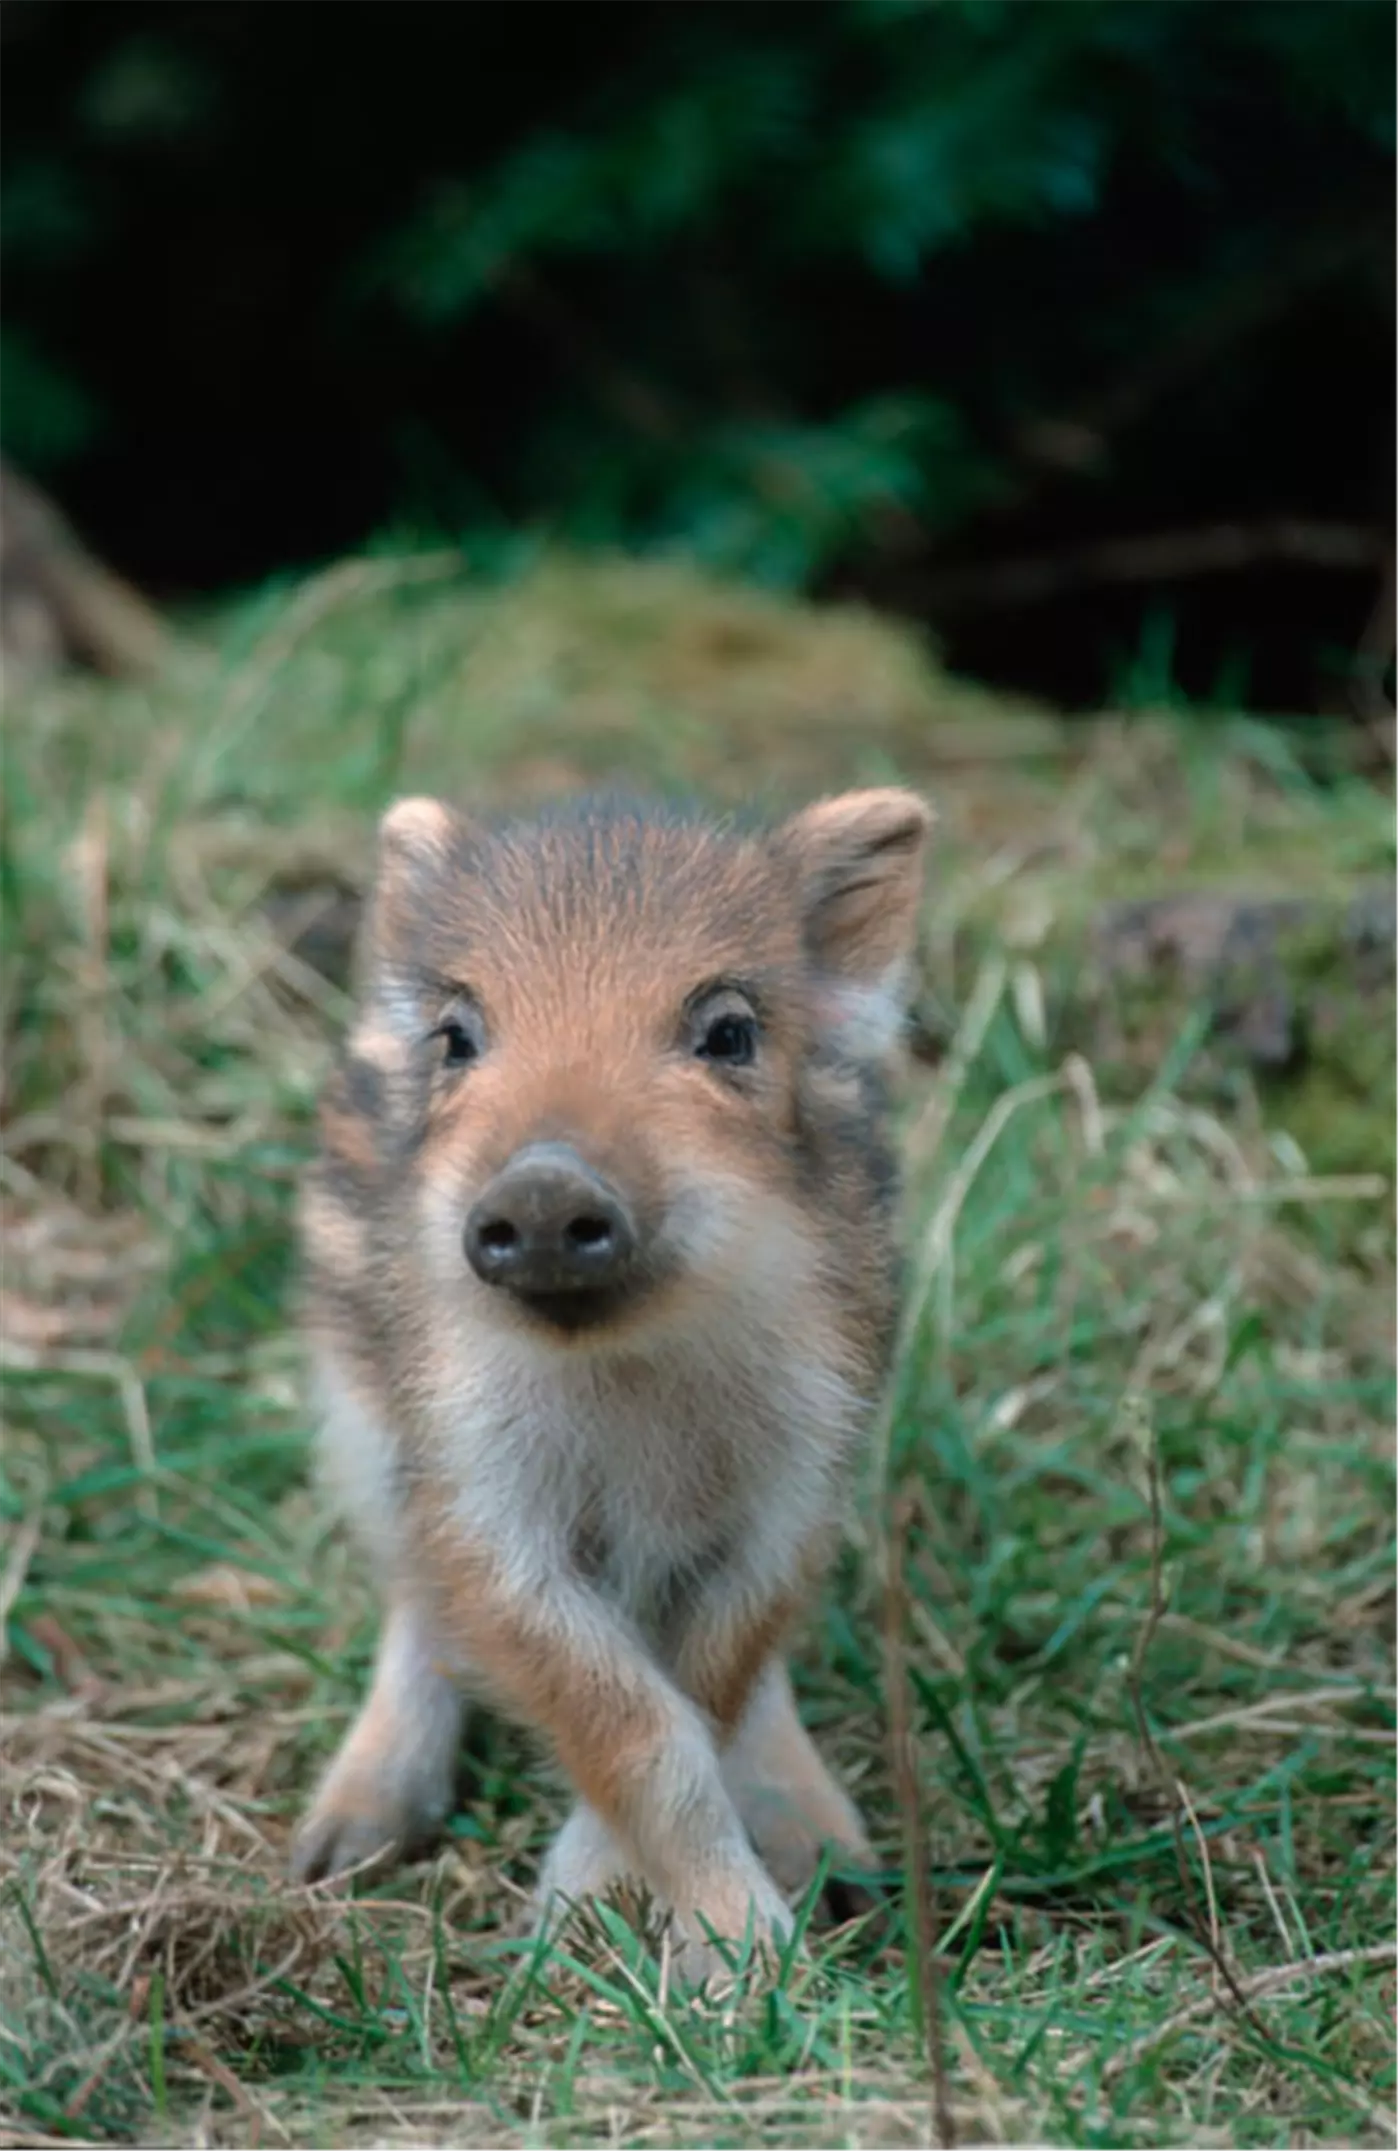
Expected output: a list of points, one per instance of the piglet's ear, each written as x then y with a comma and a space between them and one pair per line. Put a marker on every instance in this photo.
416, 839
861, 860
414, 833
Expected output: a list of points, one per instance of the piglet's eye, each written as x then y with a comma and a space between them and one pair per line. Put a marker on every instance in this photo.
729, 1039
458, 1043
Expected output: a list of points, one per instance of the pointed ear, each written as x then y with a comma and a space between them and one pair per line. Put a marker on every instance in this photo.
861, 859
416, 839
414, 833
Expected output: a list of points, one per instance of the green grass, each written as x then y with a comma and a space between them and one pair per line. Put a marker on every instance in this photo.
1141, 1434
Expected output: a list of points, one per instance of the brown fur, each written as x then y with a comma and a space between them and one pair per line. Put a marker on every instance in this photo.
603, 1726
720, 1671
609, 1528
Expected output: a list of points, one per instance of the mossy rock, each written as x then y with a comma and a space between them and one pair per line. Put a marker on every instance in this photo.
1296, 993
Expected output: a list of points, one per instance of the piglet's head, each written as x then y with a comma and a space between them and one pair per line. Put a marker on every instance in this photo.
589, 1034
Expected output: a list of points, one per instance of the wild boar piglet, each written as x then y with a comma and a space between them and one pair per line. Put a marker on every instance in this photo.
600, 1255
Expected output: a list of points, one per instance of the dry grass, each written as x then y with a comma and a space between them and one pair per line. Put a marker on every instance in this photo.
1140, 1449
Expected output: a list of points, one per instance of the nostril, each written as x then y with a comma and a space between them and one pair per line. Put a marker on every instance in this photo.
548, 1226
589, 1234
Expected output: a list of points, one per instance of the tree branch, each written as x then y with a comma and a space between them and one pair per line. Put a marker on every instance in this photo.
1077, 440
1221, 548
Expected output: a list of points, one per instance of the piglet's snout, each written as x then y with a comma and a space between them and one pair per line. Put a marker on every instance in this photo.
548, 1223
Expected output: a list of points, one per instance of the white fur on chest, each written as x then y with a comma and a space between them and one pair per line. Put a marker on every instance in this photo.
647, 1462
636, 1468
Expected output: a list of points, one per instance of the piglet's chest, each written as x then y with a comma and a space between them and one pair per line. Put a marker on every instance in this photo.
657, 1479
646, 1475
671, 1465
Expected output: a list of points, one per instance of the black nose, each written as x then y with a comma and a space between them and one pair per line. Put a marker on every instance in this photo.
547, 1224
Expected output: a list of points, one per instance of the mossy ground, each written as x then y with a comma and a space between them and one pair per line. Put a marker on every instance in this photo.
1141, 1432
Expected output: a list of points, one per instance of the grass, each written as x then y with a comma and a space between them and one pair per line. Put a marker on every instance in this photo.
1139, 1448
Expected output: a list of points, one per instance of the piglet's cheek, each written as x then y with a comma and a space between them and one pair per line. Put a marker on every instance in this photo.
861, 1021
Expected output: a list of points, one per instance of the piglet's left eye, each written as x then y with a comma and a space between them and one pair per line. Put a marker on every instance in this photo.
730, 1039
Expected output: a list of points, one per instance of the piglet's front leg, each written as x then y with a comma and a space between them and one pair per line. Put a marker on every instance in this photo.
730, 1660
638, 1751
390, 1786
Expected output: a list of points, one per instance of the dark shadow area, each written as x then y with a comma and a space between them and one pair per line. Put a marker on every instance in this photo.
872, 298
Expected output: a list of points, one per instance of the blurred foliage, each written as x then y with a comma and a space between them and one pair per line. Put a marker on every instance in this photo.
783, 283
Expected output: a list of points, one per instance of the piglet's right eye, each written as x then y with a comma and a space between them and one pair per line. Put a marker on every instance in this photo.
458, 1045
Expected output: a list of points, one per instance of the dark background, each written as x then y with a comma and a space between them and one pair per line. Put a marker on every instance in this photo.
867, 297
